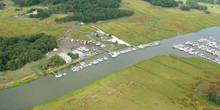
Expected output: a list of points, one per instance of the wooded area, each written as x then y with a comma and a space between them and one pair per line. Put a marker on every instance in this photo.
17, 51
163, 3
83, 10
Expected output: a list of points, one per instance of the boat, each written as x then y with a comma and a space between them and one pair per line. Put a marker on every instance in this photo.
140, 46
95, 62
58, 75
90, 64
114, 54
64, 74
100, 60
75, 69
105, 58
81, 67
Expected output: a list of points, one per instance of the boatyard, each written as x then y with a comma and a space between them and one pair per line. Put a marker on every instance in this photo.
82, 65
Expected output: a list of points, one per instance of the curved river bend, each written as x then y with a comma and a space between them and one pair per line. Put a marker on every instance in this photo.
48, 87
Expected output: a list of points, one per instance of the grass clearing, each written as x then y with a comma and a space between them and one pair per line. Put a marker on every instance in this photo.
144, 86
12, 25
138, 29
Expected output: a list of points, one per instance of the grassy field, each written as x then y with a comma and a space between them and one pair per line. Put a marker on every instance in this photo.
12, 25
144, 86
137, 29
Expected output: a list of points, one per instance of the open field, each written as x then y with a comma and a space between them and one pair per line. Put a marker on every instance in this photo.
12, 25
144, 86
8, 2
139, 29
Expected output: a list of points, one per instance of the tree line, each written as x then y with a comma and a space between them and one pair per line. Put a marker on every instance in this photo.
25, 3
18, 51
83, 10
163, 3
95, 15
207, 1
194, 4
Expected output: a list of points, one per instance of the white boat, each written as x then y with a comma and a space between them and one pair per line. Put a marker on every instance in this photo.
75, 69
114, 54
95, 62
100, 60
105, 58
140, 46
90, 64
58, 75
81, 67
64, 74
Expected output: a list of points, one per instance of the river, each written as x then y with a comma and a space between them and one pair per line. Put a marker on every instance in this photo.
48, 87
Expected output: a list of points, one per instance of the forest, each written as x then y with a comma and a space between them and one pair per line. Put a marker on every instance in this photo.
18, 51
163, 3
83, 10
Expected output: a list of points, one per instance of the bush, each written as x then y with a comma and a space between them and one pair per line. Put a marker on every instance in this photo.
207, 12
18, 9
73, 56
185, 8
56, 61
41, 13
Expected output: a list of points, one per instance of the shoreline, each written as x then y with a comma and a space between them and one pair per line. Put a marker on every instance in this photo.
35, 76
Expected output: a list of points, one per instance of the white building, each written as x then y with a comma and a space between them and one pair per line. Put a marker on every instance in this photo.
81, 55
32, 13
55, 50
65, 57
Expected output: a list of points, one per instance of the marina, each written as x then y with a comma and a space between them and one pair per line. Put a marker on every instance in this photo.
133, 48
206, 48
49, 87
113, 55
84, 65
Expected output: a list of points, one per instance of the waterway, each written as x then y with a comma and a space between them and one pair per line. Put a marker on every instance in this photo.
48, 87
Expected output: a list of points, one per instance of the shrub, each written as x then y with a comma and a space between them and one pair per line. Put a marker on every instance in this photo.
185, 8
73, 56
